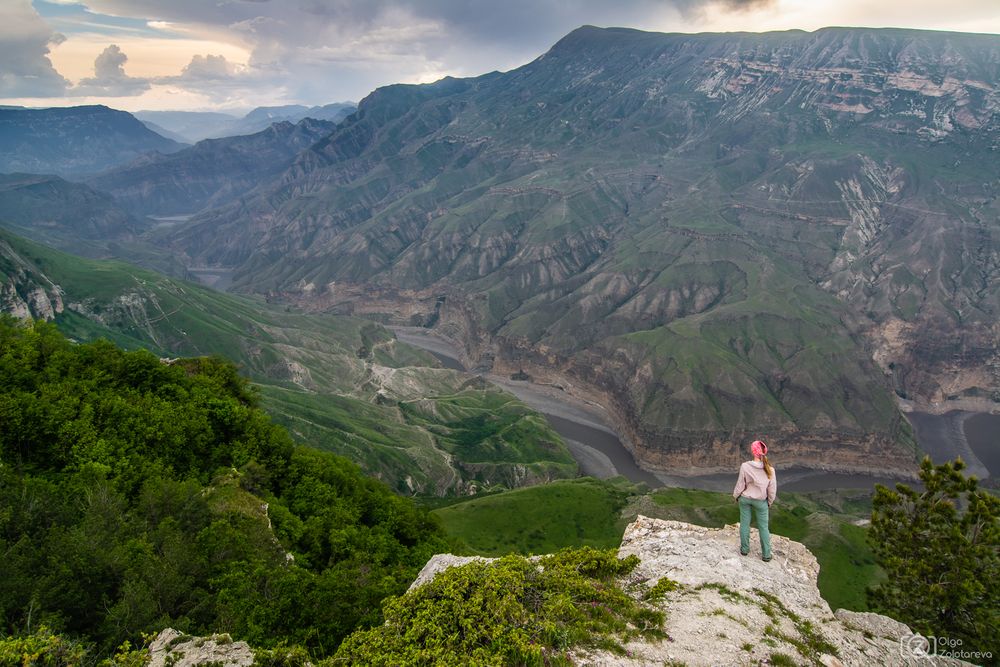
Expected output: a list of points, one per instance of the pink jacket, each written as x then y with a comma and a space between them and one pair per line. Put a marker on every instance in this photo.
753, 482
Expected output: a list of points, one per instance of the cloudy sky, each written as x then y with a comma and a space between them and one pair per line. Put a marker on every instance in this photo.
237, 54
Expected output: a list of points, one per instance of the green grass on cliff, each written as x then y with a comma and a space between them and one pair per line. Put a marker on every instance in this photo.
594, 513
541, 519
488, 426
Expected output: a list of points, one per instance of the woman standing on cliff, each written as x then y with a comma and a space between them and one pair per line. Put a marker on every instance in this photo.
755, 489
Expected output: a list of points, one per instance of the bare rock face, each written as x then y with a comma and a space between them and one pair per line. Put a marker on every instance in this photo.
728, 609
440, 563
875, 624
26, 293
172, 647
695, 555
12, 302
738, 610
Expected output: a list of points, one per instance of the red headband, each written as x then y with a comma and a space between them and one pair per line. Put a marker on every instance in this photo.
758, 448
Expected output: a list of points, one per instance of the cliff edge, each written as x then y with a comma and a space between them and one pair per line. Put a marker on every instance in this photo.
725, 609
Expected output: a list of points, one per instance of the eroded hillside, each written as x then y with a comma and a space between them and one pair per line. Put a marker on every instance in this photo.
717, 236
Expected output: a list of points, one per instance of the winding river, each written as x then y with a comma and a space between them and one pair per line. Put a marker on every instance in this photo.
600, 453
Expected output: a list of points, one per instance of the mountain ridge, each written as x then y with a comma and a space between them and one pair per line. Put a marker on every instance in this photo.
195, 126
211, 173
73, 141
712, 234
70, 215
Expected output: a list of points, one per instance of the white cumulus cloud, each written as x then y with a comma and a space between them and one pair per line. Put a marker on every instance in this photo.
110, 79
25, 68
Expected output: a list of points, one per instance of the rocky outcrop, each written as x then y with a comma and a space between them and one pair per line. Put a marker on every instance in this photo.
25, 292
441, 562
176, 649
727, 609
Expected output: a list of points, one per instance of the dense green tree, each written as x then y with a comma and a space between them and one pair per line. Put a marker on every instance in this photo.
137, 494
940, 548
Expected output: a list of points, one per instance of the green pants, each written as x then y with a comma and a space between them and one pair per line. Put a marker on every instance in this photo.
760, 510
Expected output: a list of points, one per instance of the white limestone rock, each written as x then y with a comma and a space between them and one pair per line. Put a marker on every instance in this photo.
738, 610
873, 624
172, 647
440, 563
11, 302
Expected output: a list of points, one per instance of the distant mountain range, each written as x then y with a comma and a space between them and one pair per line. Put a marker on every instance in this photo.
70, 141
719, 236
81, 141
210, 173
193, 126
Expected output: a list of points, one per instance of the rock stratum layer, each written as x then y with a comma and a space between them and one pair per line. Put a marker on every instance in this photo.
735, 610
722, 236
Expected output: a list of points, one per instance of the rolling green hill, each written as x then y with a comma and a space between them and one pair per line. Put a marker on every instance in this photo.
342, 384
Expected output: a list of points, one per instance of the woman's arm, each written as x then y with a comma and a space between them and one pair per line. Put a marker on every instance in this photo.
772, 487
741, 484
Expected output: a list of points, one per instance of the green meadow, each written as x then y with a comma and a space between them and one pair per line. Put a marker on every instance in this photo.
590, 512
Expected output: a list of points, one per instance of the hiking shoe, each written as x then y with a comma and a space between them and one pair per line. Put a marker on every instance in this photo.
766, 559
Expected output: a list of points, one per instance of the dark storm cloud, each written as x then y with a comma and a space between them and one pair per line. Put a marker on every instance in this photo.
322, 50
527, 23
523, 27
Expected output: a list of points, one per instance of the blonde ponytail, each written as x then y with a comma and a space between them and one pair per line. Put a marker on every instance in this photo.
767, 466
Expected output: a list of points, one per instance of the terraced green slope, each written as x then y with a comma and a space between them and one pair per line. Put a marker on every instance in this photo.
339, 383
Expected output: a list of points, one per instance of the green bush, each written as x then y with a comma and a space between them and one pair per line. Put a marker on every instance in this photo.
40, 649
511, 611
